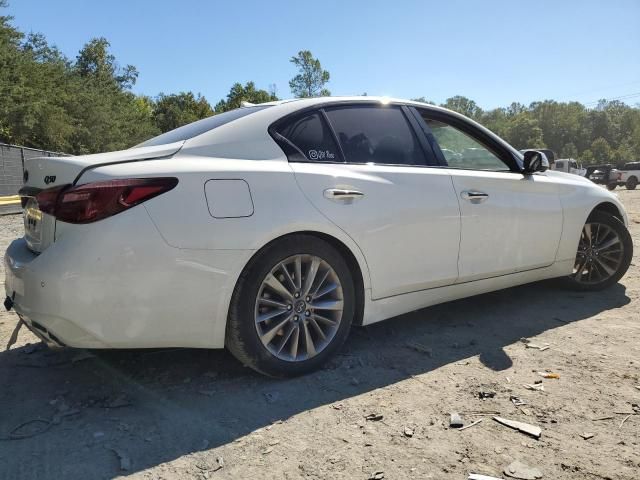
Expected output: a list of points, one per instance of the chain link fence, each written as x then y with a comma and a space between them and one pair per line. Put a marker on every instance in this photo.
12, 158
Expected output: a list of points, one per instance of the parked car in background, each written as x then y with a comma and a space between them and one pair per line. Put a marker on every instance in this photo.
630, 175
606, 175
272, 229
569, 165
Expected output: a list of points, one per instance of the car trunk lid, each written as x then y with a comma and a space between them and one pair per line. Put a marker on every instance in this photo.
49, 172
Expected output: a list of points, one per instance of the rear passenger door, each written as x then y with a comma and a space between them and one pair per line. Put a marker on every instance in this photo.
365, 168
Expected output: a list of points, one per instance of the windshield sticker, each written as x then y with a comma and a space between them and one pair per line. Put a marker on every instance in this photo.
321, 155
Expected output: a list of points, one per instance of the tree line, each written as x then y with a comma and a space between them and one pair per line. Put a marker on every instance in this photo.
86, 105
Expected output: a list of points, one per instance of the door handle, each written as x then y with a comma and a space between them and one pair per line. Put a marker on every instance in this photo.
474, 196
342, 194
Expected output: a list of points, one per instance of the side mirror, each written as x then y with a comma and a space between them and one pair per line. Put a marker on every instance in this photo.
535, 161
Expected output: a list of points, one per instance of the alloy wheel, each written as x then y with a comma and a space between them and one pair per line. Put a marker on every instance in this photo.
600, 254
299, 307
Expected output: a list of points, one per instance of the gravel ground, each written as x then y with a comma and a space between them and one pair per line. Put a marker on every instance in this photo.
169, 414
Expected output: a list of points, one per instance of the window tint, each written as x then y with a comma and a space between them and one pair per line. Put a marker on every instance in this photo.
463, 151
201, 126
312, 137
376, 135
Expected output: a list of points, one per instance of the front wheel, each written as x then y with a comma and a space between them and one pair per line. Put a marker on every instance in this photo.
611, 186
604, 253
292, 307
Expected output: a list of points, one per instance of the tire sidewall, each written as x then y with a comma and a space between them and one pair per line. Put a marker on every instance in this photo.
241, 319
627, 243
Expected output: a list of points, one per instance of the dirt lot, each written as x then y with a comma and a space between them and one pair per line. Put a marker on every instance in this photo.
168, 414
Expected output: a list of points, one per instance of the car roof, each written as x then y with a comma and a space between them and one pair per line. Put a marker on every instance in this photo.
248, 137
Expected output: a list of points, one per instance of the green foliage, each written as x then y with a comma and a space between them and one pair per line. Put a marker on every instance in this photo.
248, 93
173, 111
463, 105
311, 78
608, 133
86, 105
524, 130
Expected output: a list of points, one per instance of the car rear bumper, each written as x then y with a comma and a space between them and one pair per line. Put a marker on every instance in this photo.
35, 297
117, 284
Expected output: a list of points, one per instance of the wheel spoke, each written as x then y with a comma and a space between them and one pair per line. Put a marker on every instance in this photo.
608, 244
323, 278
308, 341
263, 317
322, 319
272, 282
327, 305
317, 328
298, 267
311, 275
271, 333
287, 336
328, 288
294, 342
610, 271
287, 276
272, 303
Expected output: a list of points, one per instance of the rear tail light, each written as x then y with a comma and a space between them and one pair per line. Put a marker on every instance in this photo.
94, 201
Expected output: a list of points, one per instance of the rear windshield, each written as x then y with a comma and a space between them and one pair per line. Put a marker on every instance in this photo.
201, 126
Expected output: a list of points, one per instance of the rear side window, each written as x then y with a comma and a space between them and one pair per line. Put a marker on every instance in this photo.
311, 138
372, 134
201, 126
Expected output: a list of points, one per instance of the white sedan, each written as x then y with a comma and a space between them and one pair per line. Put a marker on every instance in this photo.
272, 229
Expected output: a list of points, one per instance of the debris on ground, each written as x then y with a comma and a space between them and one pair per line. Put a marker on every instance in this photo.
471, 424
477, 476
517, 401
408, 432
374, 417
377, 475
587, 436
532, 430
549, 375
529, 344
455, 420
522, 471
535, 386
483, 395
624, 420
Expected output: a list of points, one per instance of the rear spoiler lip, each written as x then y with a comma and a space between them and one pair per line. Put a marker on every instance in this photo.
118, 162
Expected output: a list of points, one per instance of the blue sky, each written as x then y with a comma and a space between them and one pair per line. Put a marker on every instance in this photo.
493, 51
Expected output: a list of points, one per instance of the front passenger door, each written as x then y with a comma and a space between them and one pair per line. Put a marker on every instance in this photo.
510, 222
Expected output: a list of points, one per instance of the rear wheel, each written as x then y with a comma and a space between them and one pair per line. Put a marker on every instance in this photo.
631, 183
611, 186
604, 253
292, 308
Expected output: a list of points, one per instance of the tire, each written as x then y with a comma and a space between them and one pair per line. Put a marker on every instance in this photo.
610, 265
611, 186
631, 183
288, 353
